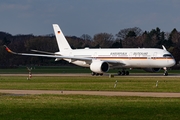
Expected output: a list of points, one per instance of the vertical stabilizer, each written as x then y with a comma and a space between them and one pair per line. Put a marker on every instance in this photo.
61, 40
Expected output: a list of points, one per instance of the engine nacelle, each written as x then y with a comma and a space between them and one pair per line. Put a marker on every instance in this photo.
152, 69
98, 66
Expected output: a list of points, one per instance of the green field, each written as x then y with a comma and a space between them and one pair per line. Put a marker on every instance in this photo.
76, 107
97, 83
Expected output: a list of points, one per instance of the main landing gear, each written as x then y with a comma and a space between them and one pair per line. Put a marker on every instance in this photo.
96, 74
123, 72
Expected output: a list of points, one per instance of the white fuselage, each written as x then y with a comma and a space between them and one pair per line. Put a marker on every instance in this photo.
101, 60
131, 57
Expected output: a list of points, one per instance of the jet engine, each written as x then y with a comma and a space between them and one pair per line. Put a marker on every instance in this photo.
152, 69
98, 66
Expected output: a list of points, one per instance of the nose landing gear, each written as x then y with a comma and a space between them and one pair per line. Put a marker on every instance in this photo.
165, 71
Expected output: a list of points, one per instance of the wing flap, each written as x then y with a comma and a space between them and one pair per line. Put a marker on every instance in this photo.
44, 52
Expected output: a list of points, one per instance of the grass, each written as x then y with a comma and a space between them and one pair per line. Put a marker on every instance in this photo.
147, 84
77, 107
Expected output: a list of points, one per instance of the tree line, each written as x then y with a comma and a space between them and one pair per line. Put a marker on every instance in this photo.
125, 38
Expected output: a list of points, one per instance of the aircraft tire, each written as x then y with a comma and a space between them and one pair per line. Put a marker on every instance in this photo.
123, 72
166, 73
93, 73
127, 72
119, 73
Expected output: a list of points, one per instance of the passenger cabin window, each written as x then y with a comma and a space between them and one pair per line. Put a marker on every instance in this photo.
167, 56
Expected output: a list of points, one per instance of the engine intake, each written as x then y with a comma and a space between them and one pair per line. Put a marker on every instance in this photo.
98, 66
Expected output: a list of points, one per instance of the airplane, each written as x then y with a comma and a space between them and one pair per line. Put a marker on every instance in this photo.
100, 60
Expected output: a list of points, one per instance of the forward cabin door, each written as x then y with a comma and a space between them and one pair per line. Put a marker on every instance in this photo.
154, 55
130, 56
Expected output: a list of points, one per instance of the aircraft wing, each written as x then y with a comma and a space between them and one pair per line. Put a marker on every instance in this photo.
44, 52
53, 55
48, 54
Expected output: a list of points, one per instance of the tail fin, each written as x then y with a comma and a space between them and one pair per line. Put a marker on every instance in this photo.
61, 40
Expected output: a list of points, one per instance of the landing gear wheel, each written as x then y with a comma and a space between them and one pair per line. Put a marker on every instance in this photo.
123, 72
101, 74
127, 72
96, 74
93, 73
119, 72
165, 73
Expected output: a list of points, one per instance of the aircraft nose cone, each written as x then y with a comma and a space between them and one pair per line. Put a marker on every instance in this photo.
172, 62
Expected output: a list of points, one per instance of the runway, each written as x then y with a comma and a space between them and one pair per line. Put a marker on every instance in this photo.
88, 74
99, 93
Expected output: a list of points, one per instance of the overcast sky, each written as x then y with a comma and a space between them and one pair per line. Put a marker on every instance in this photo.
77, 17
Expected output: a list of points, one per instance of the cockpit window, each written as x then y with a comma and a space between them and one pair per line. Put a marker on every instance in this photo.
167, 56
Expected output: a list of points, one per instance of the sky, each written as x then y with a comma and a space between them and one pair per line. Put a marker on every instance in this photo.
78, 17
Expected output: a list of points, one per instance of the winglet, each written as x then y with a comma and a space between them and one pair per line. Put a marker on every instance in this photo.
8, 50
164, 48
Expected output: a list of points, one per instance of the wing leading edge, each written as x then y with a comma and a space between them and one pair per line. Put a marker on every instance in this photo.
54, 55
45, 55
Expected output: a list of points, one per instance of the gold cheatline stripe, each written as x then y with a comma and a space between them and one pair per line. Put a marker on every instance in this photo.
141, 58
